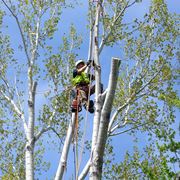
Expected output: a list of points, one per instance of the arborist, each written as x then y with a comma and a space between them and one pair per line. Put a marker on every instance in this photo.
82, 87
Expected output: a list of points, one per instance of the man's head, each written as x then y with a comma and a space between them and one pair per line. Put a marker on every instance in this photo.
79, 64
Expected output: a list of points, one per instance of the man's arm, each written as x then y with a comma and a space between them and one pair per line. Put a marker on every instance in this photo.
79, 71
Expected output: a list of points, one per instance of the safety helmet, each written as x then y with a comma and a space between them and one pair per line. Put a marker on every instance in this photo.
78, 62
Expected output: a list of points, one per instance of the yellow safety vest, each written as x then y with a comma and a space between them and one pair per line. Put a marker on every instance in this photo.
80, 78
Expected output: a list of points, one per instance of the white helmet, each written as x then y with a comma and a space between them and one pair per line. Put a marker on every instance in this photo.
79, 61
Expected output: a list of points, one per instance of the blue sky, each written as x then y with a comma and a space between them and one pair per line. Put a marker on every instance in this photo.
78, 17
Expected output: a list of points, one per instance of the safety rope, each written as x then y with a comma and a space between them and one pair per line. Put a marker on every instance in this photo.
77, 162
76, 136
85, 122
74, 161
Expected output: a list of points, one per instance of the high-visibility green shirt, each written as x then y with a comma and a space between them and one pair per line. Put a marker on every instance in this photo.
80, 78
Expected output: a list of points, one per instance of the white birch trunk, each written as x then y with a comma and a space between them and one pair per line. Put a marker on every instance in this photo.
97, 78
29, 162
91, 33
85, 171
97, 104
29, 155
65, 151
98, 153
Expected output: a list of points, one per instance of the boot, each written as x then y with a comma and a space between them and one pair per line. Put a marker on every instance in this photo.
91, 106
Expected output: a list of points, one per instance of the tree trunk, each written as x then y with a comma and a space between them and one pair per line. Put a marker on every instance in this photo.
97, 78
29, 162
98, 153
30, 132
64, 154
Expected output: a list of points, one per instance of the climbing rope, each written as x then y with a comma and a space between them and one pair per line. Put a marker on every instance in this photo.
77, 161
76, 136
85, 123
74, 161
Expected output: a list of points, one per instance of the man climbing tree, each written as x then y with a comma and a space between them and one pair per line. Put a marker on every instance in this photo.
82, 87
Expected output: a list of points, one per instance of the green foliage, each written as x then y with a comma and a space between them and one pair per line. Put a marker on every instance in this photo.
146, 82
137, 165
12, 164
171, 99
1, 17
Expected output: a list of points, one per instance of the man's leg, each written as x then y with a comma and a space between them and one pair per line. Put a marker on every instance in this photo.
92, 89
82, 97
75, 105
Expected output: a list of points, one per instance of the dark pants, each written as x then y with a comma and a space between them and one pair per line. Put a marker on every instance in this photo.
82, 92
84, 88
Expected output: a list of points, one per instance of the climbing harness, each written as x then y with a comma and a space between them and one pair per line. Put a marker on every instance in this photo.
76, 104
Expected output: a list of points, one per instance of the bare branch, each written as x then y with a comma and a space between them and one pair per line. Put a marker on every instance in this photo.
90, 52
44, 130
7, 85
65, 151
119, 125
17, 93
115, 134
116, 127
39, 134
20, 29
117, 112
16, 109
85, 171
105, 38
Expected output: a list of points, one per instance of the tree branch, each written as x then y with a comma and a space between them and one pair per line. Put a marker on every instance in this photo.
39, 134
117, 112
155, 75
130, 99
16, 109
104, 39
85, 170
90, 51
20, 29
17, 93
43, 130
117, 127
65, 151
7, 85
115, 134
36, 38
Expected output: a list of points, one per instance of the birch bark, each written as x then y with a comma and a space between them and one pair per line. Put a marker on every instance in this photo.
97, 77
97, 159
65, 151
29, 155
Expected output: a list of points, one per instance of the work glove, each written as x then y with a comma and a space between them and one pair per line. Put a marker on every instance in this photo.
89, 62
